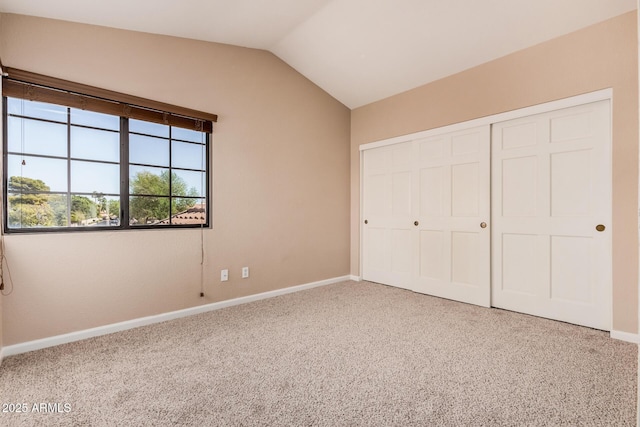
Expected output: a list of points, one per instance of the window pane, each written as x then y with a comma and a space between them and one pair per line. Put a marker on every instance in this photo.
188, 135
40, 110
149, 181
148, 151
36, 210
84, 210
44, 138
96, 120
90, 177
52, 172
189, 156
110, 212
95, 144
148, 128
145, 210
188, 183
89, 210
187, 211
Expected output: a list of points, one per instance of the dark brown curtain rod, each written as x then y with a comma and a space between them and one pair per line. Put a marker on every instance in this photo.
38, 87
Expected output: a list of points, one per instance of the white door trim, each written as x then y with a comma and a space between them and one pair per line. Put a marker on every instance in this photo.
546, 107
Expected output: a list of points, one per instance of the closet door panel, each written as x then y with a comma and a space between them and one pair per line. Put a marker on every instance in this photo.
552, 215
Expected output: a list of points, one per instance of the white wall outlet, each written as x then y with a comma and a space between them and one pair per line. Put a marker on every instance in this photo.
245, 272
224, 275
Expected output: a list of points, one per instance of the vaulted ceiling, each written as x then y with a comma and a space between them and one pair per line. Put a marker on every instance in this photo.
359, 51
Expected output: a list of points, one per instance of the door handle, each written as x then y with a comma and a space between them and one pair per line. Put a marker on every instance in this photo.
366, 221
600, 227
483, 225
416, 223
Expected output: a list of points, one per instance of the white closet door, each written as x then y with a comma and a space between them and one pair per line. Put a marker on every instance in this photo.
551, 198
387, 208
424, 203
452, 209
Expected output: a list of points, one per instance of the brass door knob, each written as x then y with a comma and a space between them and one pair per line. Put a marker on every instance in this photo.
600, 227
366, 221
416, 223
483, 225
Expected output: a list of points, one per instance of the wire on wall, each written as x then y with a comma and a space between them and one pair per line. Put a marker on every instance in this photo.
4, 262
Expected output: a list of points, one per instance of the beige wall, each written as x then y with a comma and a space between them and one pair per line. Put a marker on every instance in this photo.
601, 56
280, 194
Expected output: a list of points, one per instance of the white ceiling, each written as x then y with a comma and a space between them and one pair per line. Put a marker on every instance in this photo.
359, 51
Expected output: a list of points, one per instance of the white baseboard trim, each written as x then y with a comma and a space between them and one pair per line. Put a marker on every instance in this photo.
149, 320
355, 278
1, 355
625, 336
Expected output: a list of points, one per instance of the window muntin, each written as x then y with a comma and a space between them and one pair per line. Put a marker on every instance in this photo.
64, 171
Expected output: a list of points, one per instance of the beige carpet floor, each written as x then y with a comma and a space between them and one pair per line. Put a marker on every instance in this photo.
349, 354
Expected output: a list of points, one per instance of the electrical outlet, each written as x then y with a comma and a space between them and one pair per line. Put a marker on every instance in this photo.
245, 272
224, 275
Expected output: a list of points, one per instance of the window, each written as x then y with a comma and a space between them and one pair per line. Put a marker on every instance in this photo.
69, 168
167, 175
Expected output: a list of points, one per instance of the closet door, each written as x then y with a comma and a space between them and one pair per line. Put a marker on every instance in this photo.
452, 211
552, 215
387, 208
426, 215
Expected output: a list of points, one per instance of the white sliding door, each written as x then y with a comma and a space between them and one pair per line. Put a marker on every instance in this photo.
426, 214
387, 207
452, 213
551, 205
516, 214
